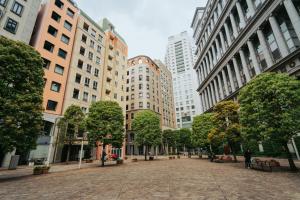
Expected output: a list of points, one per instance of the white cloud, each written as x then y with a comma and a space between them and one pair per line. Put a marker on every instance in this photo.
144, 24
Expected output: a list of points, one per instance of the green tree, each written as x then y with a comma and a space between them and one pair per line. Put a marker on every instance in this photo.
21, 96
227, 121
270, 109
105, 124
70, 124
169, 138
201, 127
184, 140
146, 127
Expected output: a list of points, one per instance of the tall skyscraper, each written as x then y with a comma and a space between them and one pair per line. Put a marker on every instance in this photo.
180, 61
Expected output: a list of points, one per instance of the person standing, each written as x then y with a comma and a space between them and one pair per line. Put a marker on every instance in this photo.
247, 156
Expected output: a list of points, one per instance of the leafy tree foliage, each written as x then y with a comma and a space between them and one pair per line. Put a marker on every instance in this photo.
21, 90
105, 124
270, 109
227, 121
201, 127
146, 126
71, 123
184, 139
169, 138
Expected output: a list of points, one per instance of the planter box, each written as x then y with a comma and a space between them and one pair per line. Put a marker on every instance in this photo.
119, 162
41, 170
134, 160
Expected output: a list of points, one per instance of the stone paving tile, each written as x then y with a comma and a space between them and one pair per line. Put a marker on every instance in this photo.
184, 179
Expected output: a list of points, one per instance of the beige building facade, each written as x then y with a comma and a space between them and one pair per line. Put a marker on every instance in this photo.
17, 18
143, 92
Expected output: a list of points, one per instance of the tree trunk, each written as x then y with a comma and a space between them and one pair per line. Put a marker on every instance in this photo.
69, 150
233, 151
290, 158
145, 146
103, 155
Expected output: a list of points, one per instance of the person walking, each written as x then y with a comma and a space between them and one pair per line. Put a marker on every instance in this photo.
247, 156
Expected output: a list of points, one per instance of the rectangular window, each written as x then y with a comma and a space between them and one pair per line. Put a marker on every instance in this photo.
85, 96
88, 68
59, 69
115, 96
94, 98
80, 64
11, 25
83, 38
46, 63
52, 31
62, 53
92, 43
59, 4
141, 105
97, 60
55, 16
55, 86
95, 85
87, 82
96, 72
17, 8
86, 27
3, 2
75, 94
51, 105
78, 78
82, 51
65, 39
100, 38
70, 12
91, 55
93, 33
68, 25
48, 46
98, 49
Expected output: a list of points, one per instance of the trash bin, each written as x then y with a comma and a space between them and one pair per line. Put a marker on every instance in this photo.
14, 162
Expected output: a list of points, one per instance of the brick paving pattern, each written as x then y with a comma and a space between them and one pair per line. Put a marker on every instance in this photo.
180, 179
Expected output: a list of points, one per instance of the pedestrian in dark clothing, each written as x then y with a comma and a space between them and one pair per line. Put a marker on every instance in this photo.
247, 156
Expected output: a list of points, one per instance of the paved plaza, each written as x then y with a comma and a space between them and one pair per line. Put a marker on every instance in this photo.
182, 179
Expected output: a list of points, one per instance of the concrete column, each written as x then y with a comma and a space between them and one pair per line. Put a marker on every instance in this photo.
294, 16
198, 76
218, 49
230, 77
253, 57
234, 26
209, 98
202, 102
225, 82
216, 90
214, 55
202, 71
283, 48
265, 48
244, 65
206, 99
220, 87
251, 7
210, 59
211, 102
241, 14
219, 9
227, 32
237, 72
223, 42
205, 67
214, 100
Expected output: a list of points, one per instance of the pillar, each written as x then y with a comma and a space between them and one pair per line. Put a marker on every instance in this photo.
223, 42
218, 49
210, 60
220, 87
253, 57
244, 65
227, 32
264, 45
225, 82
241, 14
214, 100
214, 55
234, 26
251, 7
237, 72
202, 102
216, 90
230, 78
283, 48
294, 16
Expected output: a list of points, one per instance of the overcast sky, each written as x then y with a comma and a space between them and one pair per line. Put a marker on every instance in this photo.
144, 24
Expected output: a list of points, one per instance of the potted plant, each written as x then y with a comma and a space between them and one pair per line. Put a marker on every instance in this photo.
120, 161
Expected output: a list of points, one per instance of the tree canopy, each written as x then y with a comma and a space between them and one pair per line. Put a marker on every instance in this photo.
169, 138
184, 139
21, 95
201, 127
270, 109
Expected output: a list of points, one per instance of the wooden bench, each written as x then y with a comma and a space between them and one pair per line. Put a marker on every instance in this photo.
264, 165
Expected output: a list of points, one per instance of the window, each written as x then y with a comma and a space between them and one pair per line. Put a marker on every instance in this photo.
95, 85
132, 115
148, 105
59, 4
62, 53
88, 68
80, 64
70, 12
94, 98
96, 72
76, 94
91, 55
132, 96
52, 31
115, 96
140, 104
55, 16
11, 25
78, 78
85, 96
140, 86
17, 8
140, 77
132, 106
65, 39
48, 46
55, 86
46, 63
92, 43
93, 33
82, 51
3, 2
147, 78
100, 38
87, 82
86, 26
68, 25
51, 105
59, 69
98, 49
97, 60
83, 38
140, 94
